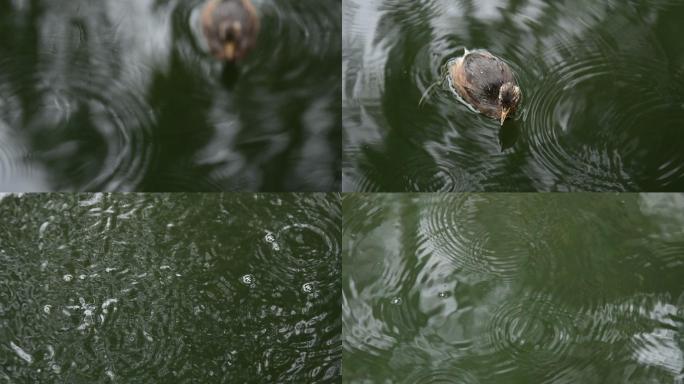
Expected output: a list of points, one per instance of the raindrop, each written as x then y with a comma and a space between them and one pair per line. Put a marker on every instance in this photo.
269, 238
308, 287
444, 294
396, 301
67, 277
247, 279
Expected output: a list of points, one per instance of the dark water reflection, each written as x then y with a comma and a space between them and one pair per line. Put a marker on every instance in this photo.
170, 288
602, 81
501, 288
120, 95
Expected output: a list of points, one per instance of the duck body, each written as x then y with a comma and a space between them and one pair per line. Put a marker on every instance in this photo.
486, 83
230, 27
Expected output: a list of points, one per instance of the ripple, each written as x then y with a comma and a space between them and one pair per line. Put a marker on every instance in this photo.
558, 109
148, 336
84, 106
302, 253
431, 375
453, 227
437, 174
532, 330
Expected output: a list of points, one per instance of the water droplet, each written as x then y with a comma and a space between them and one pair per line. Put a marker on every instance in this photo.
269, 238
396, 301
68, 277
247, 279
43, 227
47, 308
444, 294
308, 287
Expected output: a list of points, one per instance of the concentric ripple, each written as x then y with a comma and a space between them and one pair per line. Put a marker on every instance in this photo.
453, 228
531, 328
303, 251
65, 103
432, 375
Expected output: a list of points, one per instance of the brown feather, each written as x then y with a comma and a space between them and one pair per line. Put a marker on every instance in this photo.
477, 78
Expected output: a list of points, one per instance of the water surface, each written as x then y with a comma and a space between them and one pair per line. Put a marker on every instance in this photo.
173, 288
121, 95
602, 106
513, 288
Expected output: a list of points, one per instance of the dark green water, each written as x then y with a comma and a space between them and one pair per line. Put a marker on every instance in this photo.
513, 288
170, 288
602, 81
120, 95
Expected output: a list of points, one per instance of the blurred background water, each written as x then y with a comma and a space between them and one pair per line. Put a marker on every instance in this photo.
172, 288
602, 110
121, 95
513, 288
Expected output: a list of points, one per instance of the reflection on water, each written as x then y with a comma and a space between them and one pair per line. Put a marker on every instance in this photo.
492, 288
122, 95
602, 106
170, 288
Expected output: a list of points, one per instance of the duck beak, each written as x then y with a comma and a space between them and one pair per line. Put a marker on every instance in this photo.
504, 114
229, 51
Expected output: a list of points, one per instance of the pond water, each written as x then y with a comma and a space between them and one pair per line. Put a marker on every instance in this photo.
130, 288
513, 288
602, 109
121, 95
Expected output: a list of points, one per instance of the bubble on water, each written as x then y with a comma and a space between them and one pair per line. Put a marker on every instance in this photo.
68, 277
43, 227
396, 301
247, 279
21, 353
270, 238
47, 308
308, 287
444, 294
108, 302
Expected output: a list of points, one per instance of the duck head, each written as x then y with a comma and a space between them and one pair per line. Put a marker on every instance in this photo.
230, 27
509, 98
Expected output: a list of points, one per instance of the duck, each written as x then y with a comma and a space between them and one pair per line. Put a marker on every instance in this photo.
486, 83
230, 28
